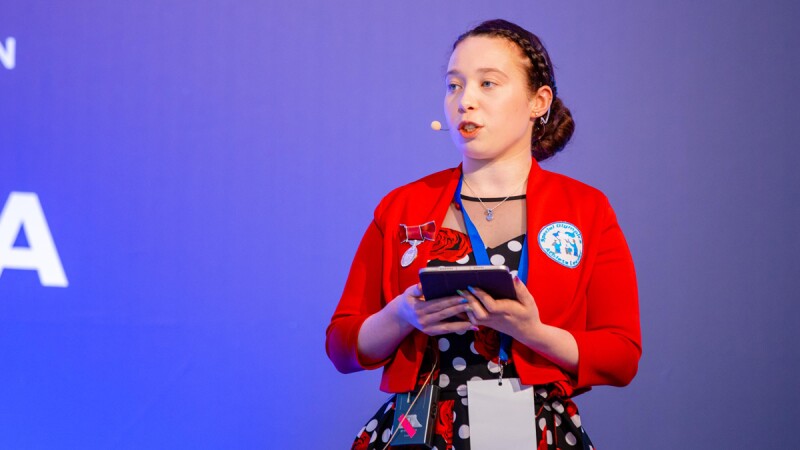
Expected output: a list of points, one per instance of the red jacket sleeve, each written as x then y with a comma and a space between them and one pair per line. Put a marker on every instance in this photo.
361, 298
610, 346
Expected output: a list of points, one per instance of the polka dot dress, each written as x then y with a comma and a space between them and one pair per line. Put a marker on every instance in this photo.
473, 356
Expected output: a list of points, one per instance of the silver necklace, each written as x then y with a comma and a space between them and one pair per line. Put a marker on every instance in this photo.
489, 212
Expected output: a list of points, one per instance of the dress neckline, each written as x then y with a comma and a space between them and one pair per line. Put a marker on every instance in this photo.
493, 199
521, 237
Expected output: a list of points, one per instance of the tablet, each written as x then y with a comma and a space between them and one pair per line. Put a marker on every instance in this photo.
439, 282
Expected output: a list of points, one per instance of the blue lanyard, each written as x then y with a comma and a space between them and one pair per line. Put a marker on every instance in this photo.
482, 259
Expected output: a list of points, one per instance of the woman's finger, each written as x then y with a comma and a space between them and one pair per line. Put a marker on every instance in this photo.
432, 306
471, 317
523, 294
448, 327
416, 290
446, 313
486, 300
477, 309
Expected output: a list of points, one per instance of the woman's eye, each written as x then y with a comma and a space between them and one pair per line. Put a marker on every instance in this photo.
488, 84
452, 87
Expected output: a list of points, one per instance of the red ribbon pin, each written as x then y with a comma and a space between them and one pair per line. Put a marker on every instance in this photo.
415, 235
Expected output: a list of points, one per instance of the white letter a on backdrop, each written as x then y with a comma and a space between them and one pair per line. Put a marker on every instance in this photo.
24, 210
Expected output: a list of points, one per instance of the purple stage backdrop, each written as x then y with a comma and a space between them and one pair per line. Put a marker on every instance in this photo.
183, 186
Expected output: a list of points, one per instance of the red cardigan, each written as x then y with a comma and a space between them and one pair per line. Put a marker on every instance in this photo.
596, 301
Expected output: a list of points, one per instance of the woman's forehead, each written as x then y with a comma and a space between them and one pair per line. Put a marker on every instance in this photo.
485, 53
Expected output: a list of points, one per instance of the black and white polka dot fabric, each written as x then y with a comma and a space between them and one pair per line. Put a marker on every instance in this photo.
473, 356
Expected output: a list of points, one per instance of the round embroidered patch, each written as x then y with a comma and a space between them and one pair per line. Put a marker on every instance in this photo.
562, 242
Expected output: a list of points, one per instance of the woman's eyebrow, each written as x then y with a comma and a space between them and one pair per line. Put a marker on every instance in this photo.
482, 70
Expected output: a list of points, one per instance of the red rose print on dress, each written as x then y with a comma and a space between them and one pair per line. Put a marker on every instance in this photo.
543, 441
444, 424
362, 442
572, 410
422, 378
450, 245
487, 343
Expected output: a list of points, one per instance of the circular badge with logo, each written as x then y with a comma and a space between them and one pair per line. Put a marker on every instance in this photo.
562, 242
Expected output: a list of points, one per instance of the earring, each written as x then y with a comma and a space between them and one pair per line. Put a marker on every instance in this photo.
544, 119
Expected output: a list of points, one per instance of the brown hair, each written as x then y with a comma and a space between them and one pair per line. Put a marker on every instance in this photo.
553, 136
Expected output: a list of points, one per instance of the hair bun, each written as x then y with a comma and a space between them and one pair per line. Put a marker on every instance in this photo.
556, 134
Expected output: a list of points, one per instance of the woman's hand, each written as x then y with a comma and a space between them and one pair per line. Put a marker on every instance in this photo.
520, 320
516, 318
382, 332
429, 316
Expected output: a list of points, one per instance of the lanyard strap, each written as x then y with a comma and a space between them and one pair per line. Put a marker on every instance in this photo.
482, 259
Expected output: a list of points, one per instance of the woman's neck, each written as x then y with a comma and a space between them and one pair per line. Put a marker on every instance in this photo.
499, 177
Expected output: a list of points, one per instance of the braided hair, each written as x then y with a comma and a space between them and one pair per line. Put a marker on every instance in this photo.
550, 138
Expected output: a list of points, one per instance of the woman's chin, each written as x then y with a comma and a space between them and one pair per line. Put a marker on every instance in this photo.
478, 154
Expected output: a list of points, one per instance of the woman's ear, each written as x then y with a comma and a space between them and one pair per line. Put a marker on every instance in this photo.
541, 101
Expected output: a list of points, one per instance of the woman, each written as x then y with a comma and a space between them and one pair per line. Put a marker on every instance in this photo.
576, 321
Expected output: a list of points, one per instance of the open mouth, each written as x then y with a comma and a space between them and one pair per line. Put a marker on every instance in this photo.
469, 129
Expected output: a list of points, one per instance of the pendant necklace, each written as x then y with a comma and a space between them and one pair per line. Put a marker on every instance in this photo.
489, 212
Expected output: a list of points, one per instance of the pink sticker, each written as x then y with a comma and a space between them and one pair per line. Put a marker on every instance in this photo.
407, 426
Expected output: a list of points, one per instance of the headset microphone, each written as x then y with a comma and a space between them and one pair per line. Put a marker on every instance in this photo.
437, 126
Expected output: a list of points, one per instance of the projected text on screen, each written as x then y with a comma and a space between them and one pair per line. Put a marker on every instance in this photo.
23, 212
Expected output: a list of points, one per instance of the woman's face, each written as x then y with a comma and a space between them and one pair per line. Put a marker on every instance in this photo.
488, 104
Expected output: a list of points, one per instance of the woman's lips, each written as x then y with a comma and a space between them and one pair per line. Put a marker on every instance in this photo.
469, 130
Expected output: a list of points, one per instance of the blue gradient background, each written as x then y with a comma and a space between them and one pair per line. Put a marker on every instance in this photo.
207, 170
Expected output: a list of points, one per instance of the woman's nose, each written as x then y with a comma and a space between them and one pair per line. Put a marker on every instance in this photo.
467, 101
